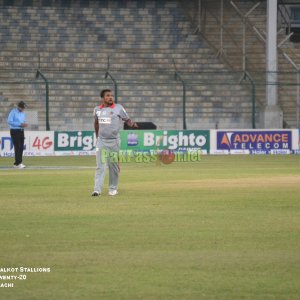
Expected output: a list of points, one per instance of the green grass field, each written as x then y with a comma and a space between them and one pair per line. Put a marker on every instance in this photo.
227, 227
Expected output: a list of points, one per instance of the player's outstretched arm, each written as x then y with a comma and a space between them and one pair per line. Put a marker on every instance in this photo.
131, 124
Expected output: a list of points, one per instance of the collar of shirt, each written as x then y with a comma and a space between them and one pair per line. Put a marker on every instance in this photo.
102, 106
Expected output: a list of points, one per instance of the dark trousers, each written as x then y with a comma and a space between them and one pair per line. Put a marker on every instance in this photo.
17, 136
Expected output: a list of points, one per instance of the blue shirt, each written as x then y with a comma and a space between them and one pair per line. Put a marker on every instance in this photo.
15, 119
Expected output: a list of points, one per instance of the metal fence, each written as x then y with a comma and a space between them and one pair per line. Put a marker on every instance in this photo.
67, 95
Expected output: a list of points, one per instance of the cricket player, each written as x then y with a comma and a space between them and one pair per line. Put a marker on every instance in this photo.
109, 118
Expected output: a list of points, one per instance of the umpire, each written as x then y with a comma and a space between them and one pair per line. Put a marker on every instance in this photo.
17, 122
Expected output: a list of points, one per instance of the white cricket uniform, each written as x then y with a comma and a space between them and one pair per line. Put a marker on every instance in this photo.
110, 121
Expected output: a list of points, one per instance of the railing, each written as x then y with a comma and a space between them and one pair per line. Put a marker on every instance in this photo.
206, 88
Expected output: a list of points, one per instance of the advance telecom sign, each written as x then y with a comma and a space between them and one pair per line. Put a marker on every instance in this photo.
255, 141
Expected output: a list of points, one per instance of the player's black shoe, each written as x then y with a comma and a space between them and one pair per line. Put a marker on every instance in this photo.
95, 194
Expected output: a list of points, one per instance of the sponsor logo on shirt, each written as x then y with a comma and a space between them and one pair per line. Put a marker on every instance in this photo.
104, 120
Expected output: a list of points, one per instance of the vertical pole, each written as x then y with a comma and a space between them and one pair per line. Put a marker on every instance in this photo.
38, 74
184, 105
244, 46
298, 97
107, 74
221, 50
177, 76
47, 106
253, 105
271, 93
116, 92
247, 75
273, 116
221, 25
199, 15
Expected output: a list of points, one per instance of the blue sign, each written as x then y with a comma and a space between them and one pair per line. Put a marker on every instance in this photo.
6, 142
257, 142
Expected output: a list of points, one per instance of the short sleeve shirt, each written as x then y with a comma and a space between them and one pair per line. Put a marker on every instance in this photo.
110, 120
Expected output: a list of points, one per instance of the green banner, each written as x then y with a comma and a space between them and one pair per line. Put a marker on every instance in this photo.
137, 140
74, 140
175, 140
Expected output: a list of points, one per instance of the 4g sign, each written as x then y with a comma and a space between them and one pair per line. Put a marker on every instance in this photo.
36, 143
40, 142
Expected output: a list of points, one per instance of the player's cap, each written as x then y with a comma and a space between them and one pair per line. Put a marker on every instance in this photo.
22, 104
